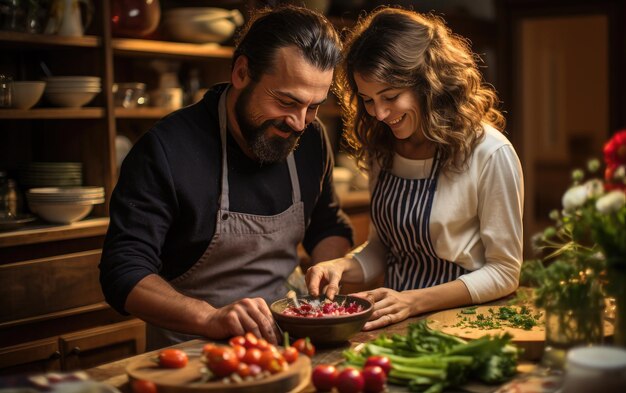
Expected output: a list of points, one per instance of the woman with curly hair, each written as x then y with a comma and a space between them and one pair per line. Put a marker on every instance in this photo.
446, 185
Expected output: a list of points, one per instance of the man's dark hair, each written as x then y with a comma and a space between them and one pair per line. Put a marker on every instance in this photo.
271, 29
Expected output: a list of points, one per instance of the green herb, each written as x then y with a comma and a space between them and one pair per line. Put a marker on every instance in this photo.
496, 319
429, 360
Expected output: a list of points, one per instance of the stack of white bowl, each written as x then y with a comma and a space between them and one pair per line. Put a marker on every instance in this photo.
72, 91
64, 205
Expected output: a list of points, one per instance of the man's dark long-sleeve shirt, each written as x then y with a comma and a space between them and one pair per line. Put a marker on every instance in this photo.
164, 207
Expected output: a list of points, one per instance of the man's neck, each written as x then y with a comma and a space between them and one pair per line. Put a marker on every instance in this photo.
231, 120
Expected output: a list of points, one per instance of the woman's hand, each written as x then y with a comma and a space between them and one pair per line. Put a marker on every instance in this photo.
325, 276
242, 316
389, 307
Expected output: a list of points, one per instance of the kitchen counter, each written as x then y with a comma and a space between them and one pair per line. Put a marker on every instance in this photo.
115, 373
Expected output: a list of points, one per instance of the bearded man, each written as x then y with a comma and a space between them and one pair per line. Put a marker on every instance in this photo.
213, 201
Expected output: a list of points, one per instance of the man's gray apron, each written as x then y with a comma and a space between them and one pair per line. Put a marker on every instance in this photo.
249, 255
401, 213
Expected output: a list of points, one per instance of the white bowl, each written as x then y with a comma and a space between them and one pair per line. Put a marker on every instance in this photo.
27, 93
201, 24
74, 99
61, 213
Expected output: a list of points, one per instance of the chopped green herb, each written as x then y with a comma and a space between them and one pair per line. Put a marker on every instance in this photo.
497, 318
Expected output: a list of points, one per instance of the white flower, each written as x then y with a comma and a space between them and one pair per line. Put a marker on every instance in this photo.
595, 188
574, 197
611, 202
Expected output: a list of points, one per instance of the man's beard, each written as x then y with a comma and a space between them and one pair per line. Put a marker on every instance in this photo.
267, 148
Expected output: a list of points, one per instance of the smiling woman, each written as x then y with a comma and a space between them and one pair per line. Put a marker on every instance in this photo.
446, 185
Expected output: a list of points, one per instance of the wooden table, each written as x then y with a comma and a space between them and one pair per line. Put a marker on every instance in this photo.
115, 373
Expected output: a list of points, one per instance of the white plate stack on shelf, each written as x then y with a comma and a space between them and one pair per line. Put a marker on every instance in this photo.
50, 174
72, 91
64, 205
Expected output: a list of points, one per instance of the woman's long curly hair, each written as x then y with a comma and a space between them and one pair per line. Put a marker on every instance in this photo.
405, 49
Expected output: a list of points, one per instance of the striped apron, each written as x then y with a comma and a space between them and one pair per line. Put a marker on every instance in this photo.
401, 215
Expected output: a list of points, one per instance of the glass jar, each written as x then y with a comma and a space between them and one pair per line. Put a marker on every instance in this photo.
567, 328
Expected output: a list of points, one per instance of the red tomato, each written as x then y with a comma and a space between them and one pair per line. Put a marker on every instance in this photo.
380, 361
243, 370
272, 361
252, 356
324, 377
251, 340
141, 386
349, 380
222, 361
237, 340
303, 345
240, 351
374, 378
173, 358
255, 369
262, 344
290, 354
207, 348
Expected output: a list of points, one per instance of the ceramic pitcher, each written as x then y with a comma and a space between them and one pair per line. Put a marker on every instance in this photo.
66, 18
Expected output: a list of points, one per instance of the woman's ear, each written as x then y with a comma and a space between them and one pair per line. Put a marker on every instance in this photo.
239, 75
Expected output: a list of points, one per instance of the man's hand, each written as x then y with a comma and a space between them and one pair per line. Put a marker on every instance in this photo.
240, 317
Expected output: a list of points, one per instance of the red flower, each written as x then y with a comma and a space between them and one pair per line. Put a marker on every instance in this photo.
615, 150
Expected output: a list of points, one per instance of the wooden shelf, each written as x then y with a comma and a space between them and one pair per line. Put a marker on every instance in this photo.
40, 233
43, 40
142, 113
135, 47
52, 113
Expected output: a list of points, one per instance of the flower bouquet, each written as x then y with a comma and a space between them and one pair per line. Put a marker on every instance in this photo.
584, 253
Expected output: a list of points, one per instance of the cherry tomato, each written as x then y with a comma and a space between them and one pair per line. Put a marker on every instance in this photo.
380, 361
142, 386
222, 361
272, 361
237, 340
240, 351
324, 377
173, 358
207, 348
290, 354
374, 378
251, 340
349, 380
243, 370
303, 345
252, 356
262, 344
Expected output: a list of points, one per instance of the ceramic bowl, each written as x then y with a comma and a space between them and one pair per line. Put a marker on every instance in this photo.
27, 93
201, 24
61, 213
323, 331
70, 99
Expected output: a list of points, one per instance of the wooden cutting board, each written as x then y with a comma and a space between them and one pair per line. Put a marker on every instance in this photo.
532, 341
186, 379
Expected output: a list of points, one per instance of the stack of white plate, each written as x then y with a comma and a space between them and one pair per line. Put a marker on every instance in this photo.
64, 205
72, 91
51, 174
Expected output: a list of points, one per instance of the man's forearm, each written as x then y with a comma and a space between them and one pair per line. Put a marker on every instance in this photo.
155, 301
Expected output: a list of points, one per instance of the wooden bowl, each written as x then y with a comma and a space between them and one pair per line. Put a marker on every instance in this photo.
323, 331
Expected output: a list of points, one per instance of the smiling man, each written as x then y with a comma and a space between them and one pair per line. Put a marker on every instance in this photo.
213, 201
